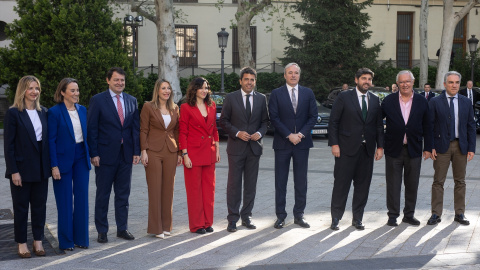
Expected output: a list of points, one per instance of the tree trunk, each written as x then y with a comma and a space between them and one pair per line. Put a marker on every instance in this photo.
167, 53
423, 30
243, 30
450, 20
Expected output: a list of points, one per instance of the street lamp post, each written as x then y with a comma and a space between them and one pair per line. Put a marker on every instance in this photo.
222, 43
472, 45
134, 23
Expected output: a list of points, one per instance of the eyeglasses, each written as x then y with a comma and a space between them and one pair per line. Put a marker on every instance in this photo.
405, 82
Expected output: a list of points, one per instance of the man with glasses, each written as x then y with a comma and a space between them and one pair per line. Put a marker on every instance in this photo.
407, 126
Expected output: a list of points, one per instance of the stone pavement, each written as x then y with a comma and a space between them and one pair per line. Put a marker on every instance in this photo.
447, 245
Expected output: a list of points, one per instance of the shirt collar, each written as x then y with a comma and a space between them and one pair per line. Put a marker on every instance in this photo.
447, 95
359, 94
113, 93
244, 93
290, 88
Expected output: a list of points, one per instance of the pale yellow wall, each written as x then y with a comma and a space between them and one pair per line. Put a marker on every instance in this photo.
209, 21
7, 15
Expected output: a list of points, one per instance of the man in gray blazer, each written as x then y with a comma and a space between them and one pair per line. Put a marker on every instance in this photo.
244, 118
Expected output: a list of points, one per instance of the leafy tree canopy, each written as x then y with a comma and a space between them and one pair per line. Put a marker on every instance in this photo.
54, 39
332, 47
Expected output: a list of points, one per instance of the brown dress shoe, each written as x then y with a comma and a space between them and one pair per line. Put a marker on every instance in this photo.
38, 252
26, 254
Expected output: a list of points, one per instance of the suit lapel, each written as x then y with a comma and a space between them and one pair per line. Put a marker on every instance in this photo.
29, 126
83, 121
43, 118
158, 116
113, 109
238, 97
66, 118
413, 108
256, 108
198, 115
285, 95
355, 104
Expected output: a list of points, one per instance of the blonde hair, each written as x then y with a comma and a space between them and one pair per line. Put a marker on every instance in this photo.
22, 86
155, 97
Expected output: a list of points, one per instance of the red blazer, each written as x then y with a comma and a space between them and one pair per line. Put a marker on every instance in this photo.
198, 136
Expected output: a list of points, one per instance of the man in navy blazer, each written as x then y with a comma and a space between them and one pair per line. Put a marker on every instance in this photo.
454, 140
407, 126
355, 133
114, 141
427, 93
293, 113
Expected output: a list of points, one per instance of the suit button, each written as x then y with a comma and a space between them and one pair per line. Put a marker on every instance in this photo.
202, 137
209, 136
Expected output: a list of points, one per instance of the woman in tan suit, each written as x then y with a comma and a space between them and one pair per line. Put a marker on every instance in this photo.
159, 144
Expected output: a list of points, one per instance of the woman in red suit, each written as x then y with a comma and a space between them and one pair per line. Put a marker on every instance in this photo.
198, 141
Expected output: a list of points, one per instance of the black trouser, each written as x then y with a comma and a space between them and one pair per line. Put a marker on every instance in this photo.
32, 194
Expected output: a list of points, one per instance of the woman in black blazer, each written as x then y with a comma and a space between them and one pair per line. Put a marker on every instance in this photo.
27, 163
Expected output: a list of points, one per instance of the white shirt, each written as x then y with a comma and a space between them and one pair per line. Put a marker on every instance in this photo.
455, 108
77, 127
470, 95
244, 98
114, 98
359, 95
289, 88
167, 119
37, 124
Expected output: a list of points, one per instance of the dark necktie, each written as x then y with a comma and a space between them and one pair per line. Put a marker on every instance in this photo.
470, 95
426, 95
452, 119
364, 108
248, 107
294, 100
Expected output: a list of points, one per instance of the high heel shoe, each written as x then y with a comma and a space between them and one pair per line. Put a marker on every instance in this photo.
26, 254
40, 252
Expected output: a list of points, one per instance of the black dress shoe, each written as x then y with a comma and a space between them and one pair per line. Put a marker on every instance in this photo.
411, 221
392, 222
69, 249
302, 222
232, 226
462, 219
334, 225
249, 224
209, 229
279, 223
358, 224
201, 231
434, 219
102, 238
84, 247
125, 235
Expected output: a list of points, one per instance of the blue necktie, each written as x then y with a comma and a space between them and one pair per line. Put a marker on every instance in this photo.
452, 119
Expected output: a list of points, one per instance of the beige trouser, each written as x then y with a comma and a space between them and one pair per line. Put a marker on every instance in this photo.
459, 165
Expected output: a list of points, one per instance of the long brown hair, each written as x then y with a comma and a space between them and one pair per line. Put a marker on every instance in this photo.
155, 97
194, 85
22, 86
62, 88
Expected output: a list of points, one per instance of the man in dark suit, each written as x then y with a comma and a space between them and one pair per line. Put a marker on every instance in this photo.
355, 130
244, 118
471, 94
454, 140
408, 124
114, 140
293, 113
426, 92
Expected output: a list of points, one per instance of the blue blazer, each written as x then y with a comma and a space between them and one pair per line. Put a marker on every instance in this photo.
417, 129
105, 131
440, 119
61, 137
21, 148
286, 121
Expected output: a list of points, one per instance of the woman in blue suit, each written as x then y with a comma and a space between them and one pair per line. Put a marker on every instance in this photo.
27, 163
69, 158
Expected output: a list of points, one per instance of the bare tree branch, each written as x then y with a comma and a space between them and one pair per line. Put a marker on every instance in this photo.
137, 7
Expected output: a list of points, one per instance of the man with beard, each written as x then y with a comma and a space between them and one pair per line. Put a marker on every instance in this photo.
355, 129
